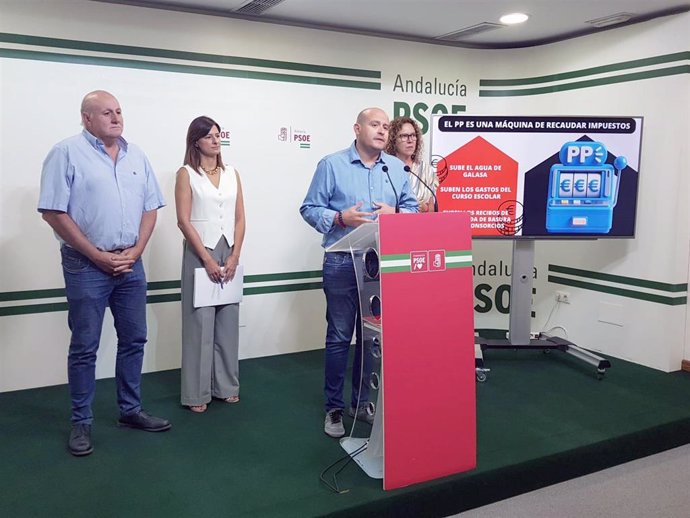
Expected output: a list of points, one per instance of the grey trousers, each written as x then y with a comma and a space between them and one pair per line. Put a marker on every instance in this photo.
210, 338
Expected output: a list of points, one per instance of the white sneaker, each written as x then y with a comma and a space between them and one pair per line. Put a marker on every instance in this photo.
333, 425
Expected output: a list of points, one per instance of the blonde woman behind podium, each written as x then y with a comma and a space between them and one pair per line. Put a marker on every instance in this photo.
210, 214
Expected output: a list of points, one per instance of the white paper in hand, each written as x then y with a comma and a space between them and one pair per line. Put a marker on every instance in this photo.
209, 293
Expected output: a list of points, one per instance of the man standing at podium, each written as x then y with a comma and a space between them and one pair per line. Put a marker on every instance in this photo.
350, 188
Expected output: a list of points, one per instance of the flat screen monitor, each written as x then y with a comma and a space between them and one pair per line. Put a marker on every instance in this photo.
539, 177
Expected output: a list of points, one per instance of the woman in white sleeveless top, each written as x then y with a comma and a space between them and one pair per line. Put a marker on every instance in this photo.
210, 214
405, 142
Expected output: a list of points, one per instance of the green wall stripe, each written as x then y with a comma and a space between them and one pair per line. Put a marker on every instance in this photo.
156, 299
624, 78
36, 308
310, 274
632, 281
660, 299
184, 69
166, 297
260, 290
189, 56
163, 285
626, 65
32, 294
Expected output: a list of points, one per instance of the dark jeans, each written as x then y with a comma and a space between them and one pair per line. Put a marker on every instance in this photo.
342, 316
89, 291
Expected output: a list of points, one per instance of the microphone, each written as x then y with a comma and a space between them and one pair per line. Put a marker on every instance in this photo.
397, 201
407, 168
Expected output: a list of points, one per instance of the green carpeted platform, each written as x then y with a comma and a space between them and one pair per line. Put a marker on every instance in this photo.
542, 418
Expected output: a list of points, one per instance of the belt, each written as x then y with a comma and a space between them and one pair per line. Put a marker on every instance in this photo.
116, 251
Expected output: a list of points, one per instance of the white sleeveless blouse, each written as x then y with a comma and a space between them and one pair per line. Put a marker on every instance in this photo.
213, 210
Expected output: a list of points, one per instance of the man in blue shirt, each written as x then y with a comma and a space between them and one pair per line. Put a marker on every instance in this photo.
100, 196
351, 188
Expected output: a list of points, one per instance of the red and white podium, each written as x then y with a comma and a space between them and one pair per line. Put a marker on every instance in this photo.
414, 273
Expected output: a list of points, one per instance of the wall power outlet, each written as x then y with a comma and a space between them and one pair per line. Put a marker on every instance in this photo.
563, 296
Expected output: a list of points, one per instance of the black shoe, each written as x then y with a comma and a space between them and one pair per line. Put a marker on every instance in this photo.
363, 415
79, 443
144, 421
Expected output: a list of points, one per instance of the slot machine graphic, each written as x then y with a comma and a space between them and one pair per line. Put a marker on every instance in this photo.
583, 189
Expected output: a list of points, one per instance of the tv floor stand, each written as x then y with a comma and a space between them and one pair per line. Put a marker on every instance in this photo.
519, 334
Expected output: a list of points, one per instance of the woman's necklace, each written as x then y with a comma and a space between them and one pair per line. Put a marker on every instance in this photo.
211, 172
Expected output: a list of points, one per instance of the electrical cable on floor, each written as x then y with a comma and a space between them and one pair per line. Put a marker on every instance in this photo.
347, 458
361, 371
546, 333
361, 345
555, 305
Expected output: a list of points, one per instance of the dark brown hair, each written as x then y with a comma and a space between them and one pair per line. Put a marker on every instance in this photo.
198, 129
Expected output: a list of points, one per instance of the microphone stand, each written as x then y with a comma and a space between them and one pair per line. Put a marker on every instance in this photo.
397, 200
407, 168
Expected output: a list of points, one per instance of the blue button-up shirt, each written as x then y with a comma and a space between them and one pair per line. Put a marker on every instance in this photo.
105, 199
341, 180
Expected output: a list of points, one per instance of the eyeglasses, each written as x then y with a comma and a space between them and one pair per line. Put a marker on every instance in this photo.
410, 137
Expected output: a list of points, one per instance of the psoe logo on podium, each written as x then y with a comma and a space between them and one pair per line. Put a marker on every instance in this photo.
437, 260
427, 261
419, 262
